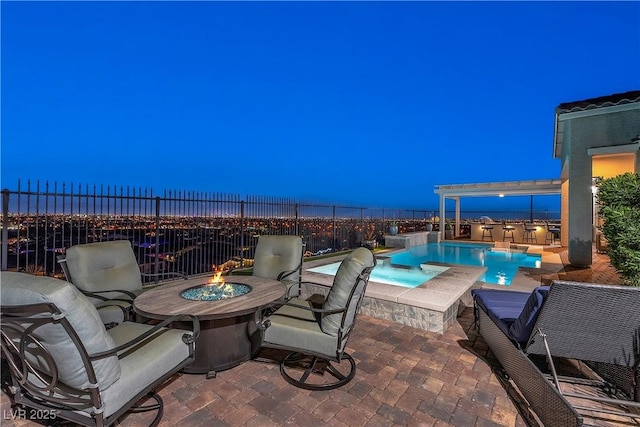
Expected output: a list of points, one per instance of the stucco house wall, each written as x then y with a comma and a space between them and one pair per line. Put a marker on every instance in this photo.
611, 123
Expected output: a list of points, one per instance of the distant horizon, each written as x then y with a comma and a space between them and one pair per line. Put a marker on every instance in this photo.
77, 195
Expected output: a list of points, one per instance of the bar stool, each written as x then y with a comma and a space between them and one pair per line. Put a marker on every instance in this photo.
552, 233
529, 234
508, 229
487, 230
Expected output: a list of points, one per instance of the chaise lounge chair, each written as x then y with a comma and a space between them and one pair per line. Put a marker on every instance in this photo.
595, 326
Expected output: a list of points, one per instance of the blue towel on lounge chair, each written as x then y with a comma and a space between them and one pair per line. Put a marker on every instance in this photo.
515, 313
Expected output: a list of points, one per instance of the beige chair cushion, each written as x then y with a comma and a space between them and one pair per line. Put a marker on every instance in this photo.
346, 278
104, 265
22, 289
276, 254
143, 364
295, 327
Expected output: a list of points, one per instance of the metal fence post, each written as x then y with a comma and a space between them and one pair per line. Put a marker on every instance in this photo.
156, 267
362, 231
61, 216
5, 228
242, 233
333, 231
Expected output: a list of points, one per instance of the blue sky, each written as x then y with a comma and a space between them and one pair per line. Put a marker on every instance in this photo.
365, 103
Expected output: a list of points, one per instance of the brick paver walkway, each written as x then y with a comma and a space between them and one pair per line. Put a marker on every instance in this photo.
405, 377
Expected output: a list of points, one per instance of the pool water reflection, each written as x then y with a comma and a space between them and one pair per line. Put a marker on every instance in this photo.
385, 273
501, 266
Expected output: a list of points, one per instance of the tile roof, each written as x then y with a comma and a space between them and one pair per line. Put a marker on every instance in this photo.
601, 101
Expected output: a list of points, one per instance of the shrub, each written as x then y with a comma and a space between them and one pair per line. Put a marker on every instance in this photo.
619, 199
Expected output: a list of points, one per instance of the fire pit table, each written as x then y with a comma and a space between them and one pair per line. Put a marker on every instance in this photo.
228, 334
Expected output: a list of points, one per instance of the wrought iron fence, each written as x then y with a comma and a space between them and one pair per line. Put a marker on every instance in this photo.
191, 232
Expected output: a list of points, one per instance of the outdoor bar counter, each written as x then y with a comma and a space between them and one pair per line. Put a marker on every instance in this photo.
539, 231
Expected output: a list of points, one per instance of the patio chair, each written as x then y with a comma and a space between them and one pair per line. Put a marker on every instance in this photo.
552, 234
508, 232
595, 326
487, 231
529, 233
108, 273
280, 258
315, 335
63, 363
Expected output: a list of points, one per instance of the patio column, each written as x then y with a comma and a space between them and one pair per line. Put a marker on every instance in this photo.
456, 232
441, 216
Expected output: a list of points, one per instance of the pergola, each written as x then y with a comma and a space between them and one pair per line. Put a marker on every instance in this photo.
510, 188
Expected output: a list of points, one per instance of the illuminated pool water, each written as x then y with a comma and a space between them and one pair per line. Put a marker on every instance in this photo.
385, 273
501, 266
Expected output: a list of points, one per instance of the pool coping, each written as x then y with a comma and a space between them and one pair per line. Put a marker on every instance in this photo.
433, 305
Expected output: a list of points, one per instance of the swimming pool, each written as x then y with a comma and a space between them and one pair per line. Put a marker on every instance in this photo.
501, 266
385, 273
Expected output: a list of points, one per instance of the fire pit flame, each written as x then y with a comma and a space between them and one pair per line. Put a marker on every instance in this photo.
215, 289
217, 278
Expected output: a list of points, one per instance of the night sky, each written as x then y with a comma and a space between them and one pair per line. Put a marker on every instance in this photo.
363, 103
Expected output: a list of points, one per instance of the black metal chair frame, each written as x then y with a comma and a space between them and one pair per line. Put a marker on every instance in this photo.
508, 229
529, 234
551, 234
318, 363
127, 296
487, 229
298, 270
44, 391
562, 331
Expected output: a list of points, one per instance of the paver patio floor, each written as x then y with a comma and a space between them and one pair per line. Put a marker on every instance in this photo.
405, 377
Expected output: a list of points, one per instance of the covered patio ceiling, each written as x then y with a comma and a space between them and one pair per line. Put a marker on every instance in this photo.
500, 189
509, 188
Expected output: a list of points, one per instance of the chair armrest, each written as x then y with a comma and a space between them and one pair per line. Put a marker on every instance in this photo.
105, 303
287, 273
126, 311
307, 284
295, 289
96, 295
188, 339
166, 274
160, 276
316, 310
324, 285
263, 323
308, 288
